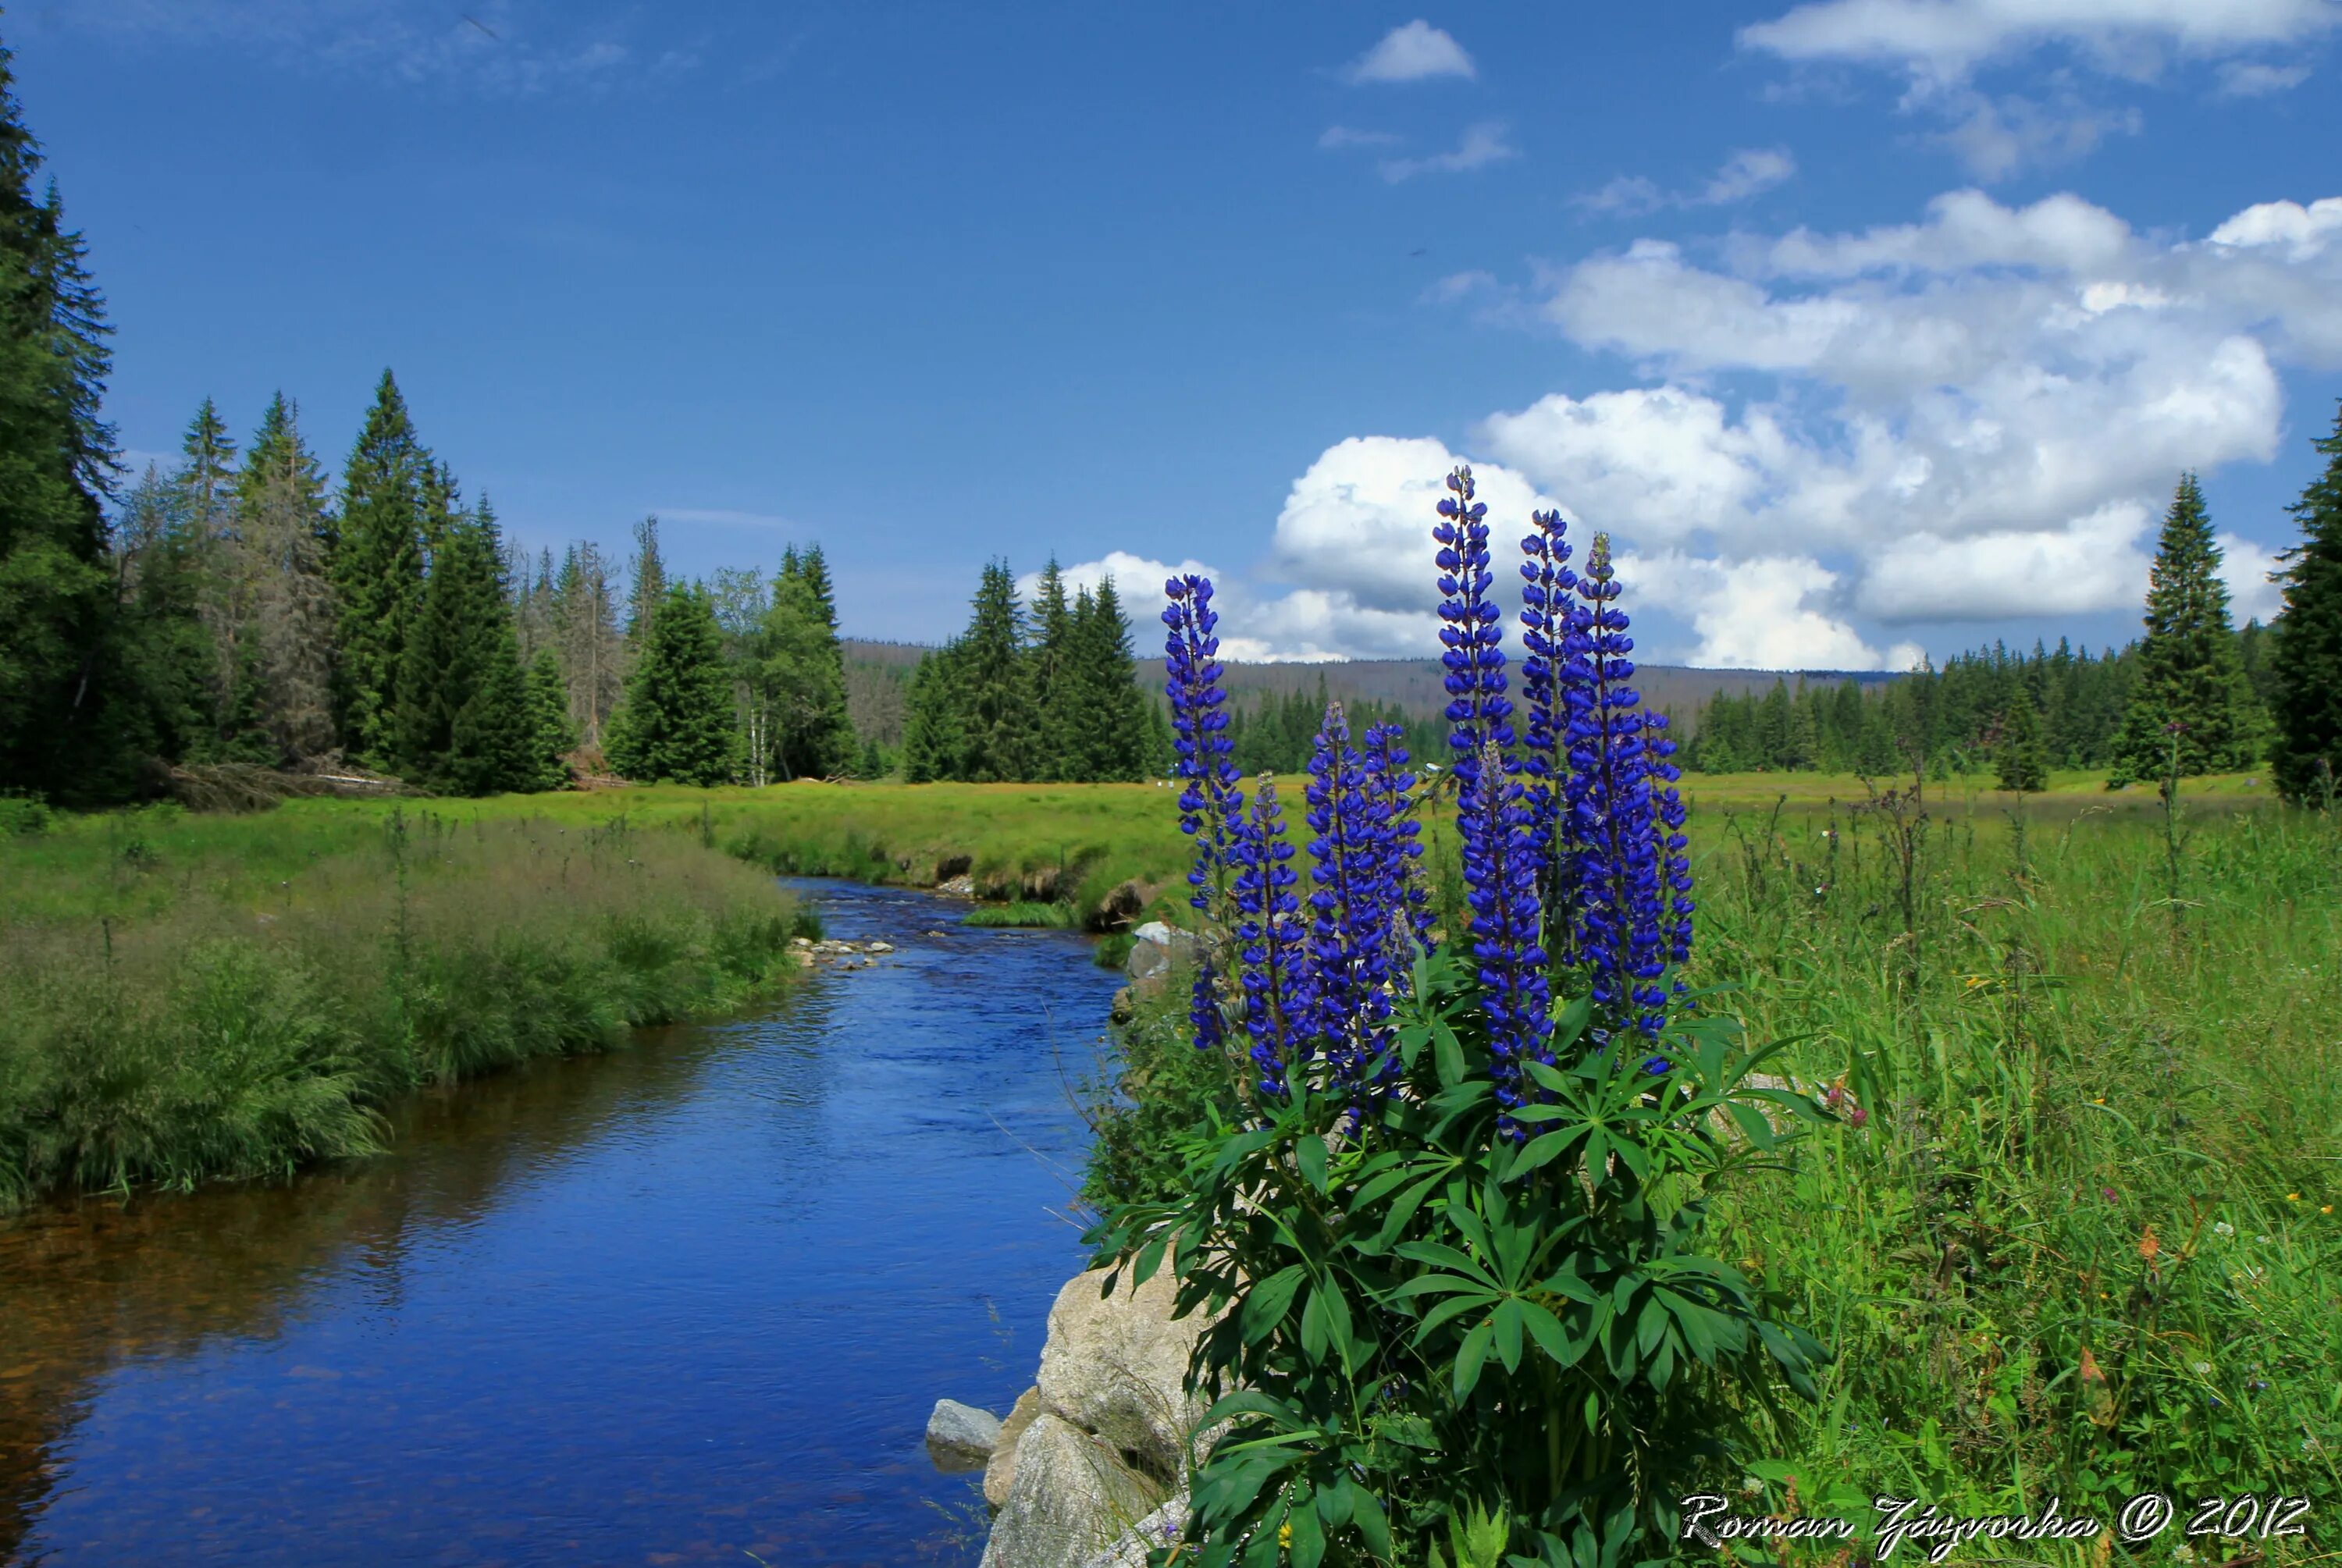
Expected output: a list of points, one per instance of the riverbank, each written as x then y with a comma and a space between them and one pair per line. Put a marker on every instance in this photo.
200, 997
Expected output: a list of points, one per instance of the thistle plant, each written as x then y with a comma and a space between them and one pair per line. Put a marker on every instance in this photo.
1458, 1216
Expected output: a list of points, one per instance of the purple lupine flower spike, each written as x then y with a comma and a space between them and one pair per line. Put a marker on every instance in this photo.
1211, 806
1625, 849
1358, 894
1492, 816
1271, 939
1478, 712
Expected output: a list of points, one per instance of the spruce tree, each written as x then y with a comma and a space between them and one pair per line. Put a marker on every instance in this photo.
388, 487
59, 668
1107, 738
552, 734
169, 706
463, 721
2190, 673
933, 725
1057, 685
803, 673
996, 697
285, 541
2305, 751
676, 724
2021, 757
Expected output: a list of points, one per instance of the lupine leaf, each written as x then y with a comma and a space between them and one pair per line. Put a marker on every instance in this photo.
1366, 1509
1507, 1322
1441, 1256
1454, 1306
1403, 1210
1448, 1053
1308, 1537
1266, 1304
1550, 1336
1310, 1156
1469, 1357
1314, 1328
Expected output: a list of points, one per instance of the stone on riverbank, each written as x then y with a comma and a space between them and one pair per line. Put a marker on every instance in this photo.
960, 1436
1001, 1469
1107, 1444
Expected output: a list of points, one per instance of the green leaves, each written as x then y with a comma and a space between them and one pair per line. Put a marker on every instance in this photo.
1430, 1320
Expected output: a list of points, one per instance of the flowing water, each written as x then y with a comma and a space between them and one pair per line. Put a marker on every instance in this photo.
686, 1302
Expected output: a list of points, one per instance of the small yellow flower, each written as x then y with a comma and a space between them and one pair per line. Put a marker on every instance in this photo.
1285, 1535
2293, 1198
2100, 1101
2325, 1208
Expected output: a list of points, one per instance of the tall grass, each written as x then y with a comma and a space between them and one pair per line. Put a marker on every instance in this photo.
191, 997
2085, 1240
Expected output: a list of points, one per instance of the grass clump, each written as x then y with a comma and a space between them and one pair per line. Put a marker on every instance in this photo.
179, 1014
1022, 914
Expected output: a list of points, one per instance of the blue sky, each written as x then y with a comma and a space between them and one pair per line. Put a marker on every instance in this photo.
1866, 326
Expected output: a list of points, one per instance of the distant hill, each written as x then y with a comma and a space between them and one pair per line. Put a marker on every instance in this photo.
1416, 684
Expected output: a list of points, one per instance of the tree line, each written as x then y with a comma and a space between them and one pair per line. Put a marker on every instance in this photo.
2194, 693
1047, 695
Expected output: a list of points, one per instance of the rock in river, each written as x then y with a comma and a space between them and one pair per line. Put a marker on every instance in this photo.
960, 1436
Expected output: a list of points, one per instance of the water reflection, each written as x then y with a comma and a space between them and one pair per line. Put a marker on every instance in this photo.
674, 1305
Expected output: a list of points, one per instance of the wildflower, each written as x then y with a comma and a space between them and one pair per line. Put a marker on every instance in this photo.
1857, 1117
2183, 1553
2147, 1246
2108, 1194
1478, 709
2223, 1228
1357, 897
1211, 806
2293, 1198
1546, 622
1625, 835
1493, 817
2200, 1368
1275, 975
2325, 1208
1285, 1535
2262, 1240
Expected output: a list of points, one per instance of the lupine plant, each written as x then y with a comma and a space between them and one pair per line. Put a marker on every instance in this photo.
1450, 1242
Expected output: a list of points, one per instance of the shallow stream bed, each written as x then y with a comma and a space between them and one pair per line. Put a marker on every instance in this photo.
686, 1303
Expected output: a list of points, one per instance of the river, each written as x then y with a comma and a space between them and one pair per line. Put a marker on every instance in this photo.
690, 1301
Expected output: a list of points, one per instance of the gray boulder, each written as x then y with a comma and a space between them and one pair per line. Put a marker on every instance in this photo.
1001, 1469
960, 1436
1072, 1499
1105, 1451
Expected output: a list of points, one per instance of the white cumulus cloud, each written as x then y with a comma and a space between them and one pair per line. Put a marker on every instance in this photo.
1413, 53
1830, 441
2244, 567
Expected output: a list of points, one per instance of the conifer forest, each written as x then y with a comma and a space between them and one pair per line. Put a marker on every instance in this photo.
539, 1029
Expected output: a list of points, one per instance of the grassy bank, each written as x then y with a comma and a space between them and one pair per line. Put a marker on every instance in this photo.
191, 997
2086, 1238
